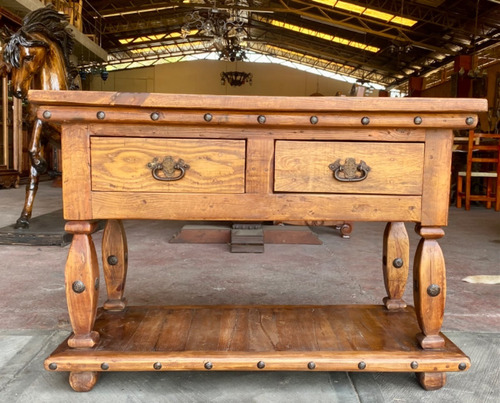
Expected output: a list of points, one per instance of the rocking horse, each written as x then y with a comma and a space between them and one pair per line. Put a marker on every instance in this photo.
38, 54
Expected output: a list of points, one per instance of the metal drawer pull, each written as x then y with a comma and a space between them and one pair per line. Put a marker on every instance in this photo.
167, 168
350, 171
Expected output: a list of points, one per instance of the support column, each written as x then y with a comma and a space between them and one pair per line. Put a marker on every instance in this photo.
415, 86
461, 87
114, 263
396, 259
429, 288
82, 284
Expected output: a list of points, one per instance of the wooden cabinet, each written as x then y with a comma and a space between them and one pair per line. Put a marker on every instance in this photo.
191, 157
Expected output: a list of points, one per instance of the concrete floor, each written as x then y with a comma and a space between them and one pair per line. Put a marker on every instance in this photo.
33, 318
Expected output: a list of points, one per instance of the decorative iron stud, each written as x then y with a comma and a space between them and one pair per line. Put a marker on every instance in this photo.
157, 365
311, 365
397, 263
78, 286
414, 365
462, 366
314, 120
261, 365
155, 116
47, 114
101, 115
53, 366
433, 290
469, 120
362, 365
261, 119
365, 121
208, 365
417, 120
207, 117
104, 366
112, 260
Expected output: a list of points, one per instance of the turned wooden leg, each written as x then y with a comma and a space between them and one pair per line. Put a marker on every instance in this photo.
115, 261
83, 381
429, 289
396, 257
82, 284
431, 380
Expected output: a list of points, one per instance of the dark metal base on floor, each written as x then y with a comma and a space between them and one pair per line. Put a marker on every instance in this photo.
242, 239
44, 230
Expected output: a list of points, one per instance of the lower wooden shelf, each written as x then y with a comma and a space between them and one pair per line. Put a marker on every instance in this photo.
258, 338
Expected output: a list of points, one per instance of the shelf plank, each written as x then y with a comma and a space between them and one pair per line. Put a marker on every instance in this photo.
334, 338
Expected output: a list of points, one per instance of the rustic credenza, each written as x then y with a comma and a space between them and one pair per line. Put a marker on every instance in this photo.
192, 157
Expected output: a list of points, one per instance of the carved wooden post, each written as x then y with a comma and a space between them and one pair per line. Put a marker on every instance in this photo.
82, 284
396, 257
429, 293
115, 262
429, 288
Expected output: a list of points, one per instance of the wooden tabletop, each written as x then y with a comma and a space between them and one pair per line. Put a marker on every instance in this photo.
249, 103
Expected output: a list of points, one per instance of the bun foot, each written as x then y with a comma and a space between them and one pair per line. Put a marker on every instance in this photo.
431, 380
83, 381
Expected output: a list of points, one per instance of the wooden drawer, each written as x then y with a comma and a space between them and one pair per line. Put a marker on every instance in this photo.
124, 164
304, 166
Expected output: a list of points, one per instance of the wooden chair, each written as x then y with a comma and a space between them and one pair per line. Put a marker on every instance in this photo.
483, 151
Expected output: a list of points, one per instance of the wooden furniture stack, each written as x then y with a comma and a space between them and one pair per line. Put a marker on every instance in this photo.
191, 157
483, 153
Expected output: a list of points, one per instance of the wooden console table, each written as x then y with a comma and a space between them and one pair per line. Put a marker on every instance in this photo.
191, 157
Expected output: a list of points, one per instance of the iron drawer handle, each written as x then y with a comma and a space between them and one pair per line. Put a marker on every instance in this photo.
350, 171
167, 167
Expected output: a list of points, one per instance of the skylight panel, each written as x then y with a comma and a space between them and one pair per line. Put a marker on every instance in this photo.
369, 12
321, 35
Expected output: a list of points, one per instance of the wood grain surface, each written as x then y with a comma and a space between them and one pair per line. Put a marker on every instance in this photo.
121, 164
239, 337
303, 166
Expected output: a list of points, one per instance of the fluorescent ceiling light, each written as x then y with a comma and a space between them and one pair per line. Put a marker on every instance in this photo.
321, 35
369, 12
148, 10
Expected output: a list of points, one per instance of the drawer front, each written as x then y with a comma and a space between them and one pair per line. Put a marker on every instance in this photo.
335, 167
180, 165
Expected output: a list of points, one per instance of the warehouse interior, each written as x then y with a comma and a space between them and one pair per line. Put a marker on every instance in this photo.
298, 48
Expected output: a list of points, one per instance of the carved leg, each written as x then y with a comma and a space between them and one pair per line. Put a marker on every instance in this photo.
38, 166
83, 381
431, 380
396, 259
31, 188
82, 284
115, 259
429, 289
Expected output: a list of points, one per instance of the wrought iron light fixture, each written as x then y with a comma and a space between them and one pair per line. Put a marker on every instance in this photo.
93, 69
224, 29
235, 78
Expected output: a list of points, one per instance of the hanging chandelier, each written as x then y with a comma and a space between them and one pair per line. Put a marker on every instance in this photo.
224, 29
235, 78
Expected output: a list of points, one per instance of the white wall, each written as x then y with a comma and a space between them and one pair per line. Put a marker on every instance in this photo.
203, 77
